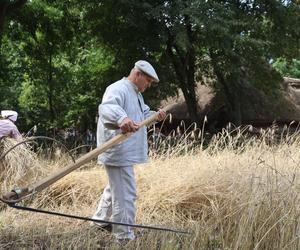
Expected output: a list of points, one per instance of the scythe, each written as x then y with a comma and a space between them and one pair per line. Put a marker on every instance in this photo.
19, 194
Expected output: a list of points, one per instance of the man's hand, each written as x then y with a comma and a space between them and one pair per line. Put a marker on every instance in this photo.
161, 114
128, 125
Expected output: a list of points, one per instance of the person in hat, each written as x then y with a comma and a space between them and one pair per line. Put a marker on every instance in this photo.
7, 124
121, 110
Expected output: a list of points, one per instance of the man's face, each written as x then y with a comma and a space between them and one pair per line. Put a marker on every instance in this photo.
144, 81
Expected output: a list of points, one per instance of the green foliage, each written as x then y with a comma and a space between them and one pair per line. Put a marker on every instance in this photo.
66, 72
91, 75
57, 57
289, 68
12, 67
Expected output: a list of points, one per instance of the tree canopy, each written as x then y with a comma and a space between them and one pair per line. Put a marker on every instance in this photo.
57, 57
231, 41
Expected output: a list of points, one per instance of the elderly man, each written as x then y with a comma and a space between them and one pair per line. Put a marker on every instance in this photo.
121, 111
7, 124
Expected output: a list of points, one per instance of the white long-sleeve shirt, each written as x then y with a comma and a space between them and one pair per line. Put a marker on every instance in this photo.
120, 100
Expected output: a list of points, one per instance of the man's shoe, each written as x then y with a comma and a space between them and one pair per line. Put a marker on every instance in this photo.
107, 227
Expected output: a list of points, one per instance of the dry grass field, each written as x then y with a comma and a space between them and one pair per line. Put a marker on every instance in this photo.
238, 192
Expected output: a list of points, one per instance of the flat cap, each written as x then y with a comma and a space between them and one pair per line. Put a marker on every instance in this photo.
146, 68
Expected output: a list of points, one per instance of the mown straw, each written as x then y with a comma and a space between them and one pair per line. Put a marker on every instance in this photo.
238, 193
18, 165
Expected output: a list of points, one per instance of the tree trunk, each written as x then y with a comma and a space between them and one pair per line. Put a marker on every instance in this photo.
232, 93
235, 94
6, 7
50, 92
184, 65
189, 92
3, 11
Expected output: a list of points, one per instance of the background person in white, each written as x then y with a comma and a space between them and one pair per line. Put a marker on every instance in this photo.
7, 124
121, 110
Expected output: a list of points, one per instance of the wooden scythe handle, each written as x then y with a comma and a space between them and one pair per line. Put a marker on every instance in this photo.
13, 197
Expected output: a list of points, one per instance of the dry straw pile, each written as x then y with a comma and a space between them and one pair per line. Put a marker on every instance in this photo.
18, 165
237, 193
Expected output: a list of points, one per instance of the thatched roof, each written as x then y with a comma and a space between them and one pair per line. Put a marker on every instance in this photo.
178, 108
256, 106
292, 87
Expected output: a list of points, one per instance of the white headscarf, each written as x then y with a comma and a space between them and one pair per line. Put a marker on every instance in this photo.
9, 114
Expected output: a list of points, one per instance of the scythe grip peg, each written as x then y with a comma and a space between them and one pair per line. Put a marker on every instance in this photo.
15, 195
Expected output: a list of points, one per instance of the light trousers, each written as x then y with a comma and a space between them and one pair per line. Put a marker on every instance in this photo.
117, 202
